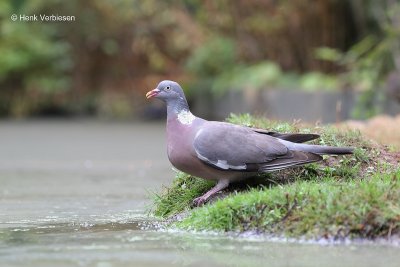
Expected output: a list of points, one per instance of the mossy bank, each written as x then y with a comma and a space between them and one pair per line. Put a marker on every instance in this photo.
343, 196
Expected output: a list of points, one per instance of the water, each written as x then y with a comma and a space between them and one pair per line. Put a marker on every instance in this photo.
75, 193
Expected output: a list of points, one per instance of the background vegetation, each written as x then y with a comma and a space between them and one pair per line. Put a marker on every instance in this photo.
116, 50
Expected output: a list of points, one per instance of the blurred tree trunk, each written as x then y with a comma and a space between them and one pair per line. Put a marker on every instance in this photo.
286, 32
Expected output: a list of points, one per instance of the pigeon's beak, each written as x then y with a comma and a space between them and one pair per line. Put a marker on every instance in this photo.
152, 93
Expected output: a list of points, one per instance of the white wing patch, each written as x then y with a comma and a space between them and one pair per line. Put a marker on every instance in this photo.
186, 117
222, 164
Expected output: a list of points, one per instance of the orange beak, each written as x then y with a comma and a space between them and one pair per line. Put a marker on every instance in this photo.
152, 93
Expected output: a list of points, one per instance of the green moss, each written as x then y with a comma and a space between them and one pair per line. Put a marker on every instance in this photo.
328, 208
352, 195
179, 196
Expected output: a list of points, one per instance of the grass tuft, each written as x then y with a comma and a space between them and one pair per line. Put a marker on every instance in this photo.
179, 196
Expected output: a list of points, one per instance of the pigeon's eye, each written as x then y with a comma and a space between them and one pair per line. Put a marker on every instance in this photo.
168, 88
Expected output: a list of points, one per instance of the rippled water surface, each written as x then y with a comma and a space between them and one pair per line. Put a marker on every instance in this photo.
75, 193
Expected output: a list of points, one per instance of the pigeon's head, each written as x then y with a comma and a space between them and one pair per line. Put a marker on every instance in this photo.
167, 91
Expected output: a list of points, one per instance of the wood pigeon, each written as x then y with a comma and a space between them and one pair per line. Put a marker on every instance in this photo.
227, 152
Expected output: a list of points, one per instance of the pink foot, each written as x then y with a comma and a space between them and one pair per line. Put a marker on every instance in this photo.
218, 187
199, 201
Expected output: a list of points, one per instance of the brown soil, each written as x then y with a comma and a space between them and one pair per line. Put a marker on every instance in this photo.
383, 129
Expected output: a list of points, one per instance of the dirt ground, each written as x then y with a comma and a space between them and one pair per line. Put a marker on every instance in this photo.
383, 129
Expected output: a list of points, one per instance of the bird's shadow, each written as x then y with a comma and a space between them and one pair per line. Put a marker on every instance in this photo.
266, 180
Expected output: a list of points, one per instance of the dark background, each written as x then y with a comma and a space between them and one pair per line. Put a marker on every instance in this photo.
102, 63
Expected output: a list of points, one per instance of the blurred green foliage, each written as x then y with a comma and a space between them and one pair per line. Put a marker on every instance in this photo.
267, 74
216, 66
31, 59
213, 58
120, 47
368, 62
124, 47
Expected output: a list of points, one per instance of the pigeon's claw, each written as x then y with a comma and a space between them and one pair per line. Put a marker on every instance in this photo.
222, 184
199, 201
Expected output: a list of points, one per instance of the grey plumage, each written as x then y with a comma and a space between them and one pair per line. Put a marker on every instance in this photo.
232, 147
226, 152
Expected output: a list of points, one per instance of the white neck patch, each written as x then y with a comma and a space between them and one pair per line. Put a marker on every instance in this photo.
185, 117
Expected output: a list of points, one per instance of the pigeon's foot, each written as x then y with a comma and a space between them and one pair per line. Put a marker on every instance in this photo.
199, 201
222, 184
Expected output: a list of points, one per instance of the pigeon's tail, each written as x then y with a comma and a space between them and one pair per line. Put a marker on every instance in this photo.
292, 137
322, 150
317, 149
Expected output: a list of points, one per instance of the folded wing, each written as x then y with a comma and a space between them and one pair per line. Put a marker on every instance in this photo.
231, 147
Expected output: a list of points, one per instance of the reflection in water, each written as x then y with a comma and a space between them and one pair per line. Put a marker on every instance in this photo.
76, 194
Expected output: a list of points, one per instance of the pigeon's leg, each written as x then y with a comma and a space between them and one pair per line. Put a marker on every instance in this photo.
222, 184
